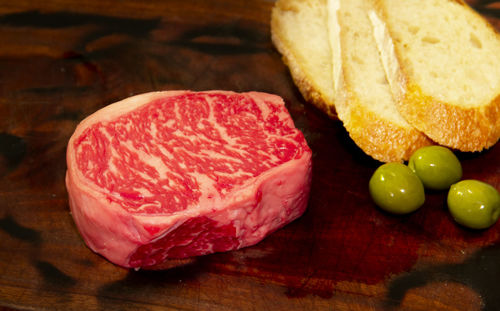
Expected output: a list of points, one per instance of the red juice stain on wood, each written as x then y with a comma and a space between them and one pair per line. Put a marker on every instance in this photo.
362, 246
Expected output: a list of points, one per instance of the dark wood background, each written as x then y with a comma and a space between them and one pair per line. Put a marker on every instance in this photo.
61, 60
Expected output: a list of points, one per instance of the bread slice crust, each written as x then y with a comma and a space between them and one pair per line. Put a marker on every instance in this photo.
381, 139
467, 129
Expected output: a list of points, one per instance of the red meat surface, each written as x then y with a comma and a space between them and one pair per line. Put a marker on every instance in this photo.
178, 174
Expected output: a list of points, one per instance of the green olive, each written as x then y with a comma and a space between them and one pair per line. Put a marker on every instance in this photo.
474, 204
396, 189
436, 166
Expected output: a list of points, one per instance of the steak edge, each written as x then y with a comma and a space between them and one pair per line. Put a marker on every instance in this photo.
178, 174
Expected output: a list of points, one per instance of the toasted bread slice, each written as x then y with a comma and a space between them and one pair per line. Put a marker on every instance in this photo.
443, 63
298, 30
364, 100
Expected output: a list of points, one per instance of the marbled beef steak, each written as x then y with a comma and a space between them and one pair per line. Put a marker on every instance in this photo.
178, 174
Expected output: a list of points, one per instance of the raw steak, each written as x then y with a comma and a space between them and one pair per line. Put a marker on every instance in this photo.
178, 174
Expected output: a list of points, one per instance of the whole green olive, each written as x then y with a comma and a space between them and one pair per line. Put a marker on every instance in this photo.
474, 204
436, 166
396, 189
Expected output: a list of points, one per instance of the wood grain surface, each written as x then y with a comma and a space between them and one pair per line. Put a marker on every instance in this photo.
61, 60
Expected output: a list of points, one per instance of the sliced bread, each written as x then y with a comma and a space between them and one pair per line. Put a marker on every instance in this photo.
334, 62
364, 100
298, 31
443, 63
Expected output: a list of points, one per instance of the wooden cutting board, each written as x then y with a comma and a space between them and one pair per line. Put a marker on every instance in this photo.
61, 60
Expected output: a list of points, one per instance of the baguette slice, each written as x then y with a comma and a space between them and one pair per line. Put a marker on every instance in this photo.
443, 64
298, 31
364, 100
343, 75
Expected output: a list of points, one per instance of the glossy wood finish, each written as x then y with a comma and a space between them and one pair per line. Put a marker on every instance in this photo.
61, 60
